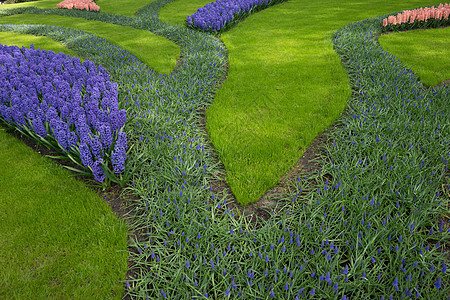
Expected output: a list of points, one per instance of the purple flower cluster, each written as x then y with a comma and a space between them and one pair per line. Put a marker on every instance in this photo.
217, 15
59, 98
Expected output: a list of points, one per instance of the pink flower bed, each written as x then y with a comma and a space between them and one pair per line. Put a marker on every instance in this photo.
79, 4
441, 12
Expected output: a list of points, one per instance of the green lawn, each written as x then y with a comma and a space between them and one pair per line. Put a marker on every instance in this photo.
124, 7
58, 239
25, 40
159, 53
177, 11
285, 86
426, 52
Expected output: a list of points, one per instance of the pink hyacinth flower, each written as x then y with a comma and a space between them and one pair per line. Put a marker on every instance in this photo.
392, 20
94, 7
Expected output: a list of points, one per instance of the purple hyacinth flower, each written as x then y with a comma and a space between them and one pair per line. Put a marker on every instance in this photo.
105, 135
85, 155
97, 170
96, 146
38, 127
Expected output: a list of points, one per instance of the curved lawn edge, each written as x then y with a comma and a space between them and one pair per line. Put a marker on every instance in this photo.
412, 48
221, 15
161, 54
40, 199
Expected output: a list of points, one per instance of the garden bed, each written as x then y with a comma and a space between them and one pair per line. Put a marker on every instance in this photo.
369, 223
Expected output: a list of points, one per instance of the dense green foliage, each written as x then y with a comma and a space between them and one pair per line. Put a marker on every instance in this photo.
369, 227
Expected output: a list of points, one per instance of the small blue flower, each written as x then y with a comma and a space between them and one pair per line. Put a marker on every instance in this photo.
438, 283
163, 293
272, 294
395, 283
345, 271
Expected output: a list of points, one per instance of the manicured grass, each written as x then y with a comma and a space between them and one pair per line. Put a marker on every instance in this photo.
126, 8
58, 239
285, 86
39, 4
176, 12
426, 52
159, 53
25, 40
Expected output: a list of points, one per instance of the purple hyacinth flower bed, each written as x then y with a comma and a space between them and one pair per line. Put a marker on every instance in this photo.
65, 104
219, 16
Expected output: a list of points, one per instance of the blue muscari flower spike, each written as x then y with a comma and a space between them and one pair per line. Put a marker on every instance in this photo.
272, 294
345, 271
395, 283
438, 283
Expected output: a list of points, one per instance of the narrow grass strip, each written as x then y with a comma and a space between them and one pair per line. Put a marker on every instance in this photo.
159, 53
25, 40
58, 239
426, 52
176, 12
125, 8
